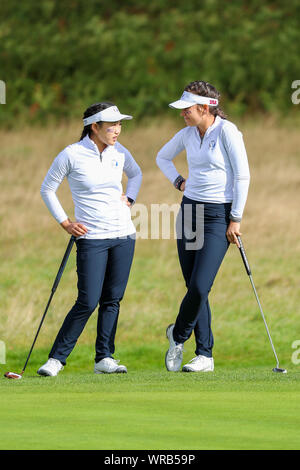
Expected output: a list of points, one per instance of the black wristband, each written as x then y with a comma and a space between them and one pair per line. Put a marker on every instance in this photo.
130, 200
178, 182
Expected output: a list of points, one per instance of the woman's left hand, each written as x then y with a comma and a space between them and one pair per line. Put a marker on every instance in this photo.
233, 230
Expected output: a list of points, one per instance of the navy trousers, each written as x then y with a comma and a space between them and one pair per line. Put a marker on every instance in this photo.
103, 268
199, 268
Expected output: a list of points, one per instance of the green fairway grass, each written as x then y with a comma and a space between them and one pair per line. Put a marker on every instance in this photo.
149, 408
235, 409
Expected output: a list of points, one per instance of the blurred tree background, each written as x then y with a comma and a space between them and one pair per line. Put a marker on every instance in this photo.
59, 56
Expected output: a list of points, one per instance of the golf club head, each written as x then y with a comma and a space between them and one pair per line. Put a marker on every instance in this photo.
12, 375
278, 369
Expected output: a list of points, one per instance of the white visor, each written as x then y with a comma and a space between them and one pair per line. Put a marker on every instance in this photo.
189, 99
111, 114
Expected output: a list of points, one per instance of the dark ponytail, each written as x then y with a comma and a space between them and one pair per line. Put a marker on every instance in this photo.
93, 109
206, 89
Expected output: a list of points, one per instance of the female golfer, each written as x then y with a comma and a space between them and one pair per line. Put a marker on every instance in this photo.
215, 194
105, 234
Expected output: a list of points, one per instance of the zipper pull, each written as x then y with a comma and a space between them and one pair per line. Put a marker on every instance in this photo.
101, 157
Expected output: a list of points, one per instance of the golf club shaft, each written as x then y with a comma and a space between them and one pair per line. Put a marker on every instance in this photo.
37, 333
55, 284
248, 270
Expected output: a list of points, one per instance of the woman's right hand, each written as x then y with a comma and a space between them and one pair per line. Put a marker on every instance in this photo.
74, 228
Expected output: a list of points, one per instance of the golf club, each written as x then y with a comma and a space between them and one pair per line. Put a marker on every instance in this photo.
13, 375
248, 270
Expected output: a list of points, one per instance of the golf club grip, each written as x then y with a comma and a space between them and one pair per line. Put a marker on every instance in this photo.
244, 257
63, 263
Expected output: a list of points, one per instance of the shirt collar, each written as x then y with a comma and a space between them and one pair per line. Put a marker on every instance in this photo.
215, 123
210, 128
90, 144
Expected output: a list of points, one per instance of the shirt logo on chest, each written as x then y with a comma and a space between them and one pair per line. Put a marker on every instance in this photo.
212, 145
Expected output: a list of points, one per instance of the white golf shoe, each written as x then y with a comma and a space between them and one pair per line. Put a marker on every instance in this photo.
51, 368
199, 364
173, 358
108, 365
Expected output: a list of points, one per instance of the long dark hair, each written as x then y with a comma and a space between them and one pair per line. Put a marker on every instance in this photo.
93, 109
206, 89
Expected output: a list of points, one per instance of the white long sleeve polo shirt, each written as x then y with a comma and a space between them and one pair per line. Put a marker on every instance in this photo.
217, 164
96, 187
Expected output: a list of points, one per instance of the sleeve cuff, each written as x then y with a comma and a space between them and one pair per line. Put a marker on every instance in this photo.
235, 219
